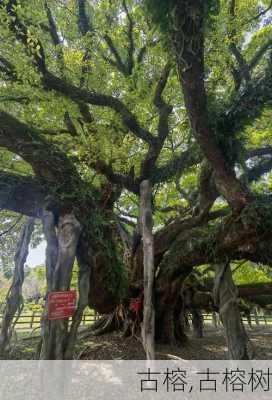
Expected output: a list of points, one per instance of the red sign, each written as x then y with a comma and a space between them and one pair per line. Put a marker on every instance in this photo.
61, 304
136, 304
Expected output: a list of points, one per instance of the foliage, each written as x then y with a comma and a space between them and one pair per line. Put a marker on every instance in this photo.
250, 273
258, 214
161, 12
121, 54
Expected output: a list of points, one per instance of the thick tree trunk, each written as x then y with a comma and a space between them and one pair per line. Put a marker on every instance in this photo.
165, 329
171, 324
170, 317
146, 223
60, 256
226, 297
14, 299
180, 321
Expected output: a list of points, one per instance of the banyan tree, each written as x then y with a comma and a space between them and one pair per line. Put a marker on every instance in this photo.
100, 96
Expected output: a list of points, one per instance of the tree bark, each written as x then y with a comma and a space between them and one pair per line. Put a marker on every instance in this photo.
180, 321
226, 297
14, 299
165, 327
85, 261
146, 222
60, 256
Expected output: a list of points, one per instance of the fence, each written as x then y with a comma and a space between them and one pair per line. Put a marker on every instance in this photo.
253, 320
30, 321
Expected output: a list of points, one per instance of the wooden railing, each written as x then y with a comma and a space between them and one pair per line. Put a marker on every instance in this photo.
30, 321
255, 320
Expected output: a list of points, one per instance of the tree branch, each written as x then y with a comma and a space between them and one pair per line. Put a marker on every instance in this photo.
148, 164
77, 94
47, 161
176, 166
188, 39
117, 62
228, 239
165, 110
24, 195
53, 82
52, 26
125, 67
124, 181
83, 108
247, 105
261, 13
259, 54
244, 70
12, 226
55, 36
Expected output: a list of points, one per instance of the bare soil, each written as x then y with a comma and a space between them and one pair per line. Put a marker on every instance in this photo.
211, 347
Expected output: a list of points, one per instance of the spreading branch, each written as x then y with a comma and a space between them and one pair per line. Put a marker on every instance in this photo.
230, 239
21, 194
77, 94
28, 143
159, 174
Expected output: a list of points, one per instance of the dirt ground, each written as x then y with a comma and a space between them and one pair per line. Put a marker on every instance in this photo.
114, 346
211, 347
